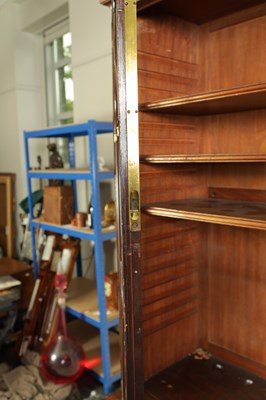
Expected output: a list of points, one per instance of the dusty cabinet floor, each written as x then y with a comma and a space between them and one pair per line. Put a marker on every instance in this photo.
205, 379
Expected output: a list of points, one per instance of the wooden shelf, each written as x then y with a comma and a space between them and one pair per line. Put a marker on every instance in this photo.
66, 170
75, 130
192, 10
69, 173
195, 11
89, 338
250, 97
61, 170
202, 158
225, 212
74, 231
82, 297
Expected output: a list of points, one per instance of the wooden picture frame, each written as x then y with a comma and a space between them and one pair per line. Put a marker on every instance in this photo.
66, 252
7, 214
40, 320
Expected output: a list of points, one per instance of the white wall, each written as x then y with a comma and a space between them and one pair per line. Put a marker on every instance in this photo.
8, 110
21, 105
90, 25
36, 15
22, 100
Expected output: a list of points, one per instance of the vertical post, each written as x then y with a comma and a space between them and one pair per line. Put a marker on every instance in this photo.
128, 209
72, 164
99, 256
30, 205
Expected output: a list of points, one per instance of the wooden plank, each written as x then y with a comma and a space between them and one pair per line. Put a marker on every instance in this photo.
202, 158
233, 213
249, 97
105, 228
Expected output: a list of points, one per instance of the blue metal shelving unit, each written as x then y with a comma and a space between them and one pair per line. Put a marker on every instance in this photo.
90, 130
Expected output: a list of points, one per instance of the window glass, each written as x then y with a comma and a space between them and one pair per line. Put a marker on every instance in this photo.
59, 82
64, 84
62, 46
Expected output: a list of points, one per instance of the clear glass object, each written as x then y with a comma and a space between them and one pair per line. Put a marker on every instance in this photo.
63, 359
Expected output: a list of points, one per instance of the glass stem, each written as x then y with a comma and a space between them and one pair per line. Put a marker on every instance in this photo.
61, 301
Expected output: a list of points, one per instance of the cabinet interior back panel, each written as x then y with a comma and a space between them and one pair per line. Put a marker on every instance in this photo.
168, 134
236, 55
168, 57
237, 276
233, 133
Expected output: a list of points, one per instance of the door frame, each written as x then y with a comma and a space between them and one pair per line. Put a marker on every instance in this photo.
127, 194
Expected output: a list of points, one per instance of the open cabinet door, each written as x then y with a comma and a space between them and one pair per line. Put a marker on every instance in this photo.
202, 151
128, 204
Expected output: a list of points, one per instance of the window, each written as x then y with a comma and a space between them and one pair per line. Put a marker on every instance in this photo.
59, 82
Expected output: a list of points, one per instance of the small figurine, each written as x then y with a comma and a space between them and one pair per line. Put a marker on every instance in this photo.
39, 161
55, 161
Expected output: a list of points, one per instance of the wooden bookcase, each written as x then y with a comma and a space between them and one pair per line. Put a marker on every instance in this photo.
202, 146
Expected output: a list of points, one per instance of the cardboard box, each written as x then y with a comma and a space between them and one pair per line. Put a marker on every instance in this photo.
58, 204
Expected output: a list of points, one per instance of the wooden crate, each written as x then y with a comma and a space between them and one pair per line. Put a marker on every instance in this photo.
58, 204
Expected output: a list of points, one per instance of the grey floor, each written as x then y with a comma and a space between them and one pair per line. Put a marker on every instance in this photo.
86, 388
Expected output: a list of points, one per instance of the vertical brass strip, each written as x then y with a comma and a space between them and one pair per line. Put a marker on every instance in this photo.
132, 113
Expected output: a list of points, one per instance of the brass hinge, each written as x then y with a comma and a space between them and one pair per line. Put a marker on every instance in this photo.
132, 113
